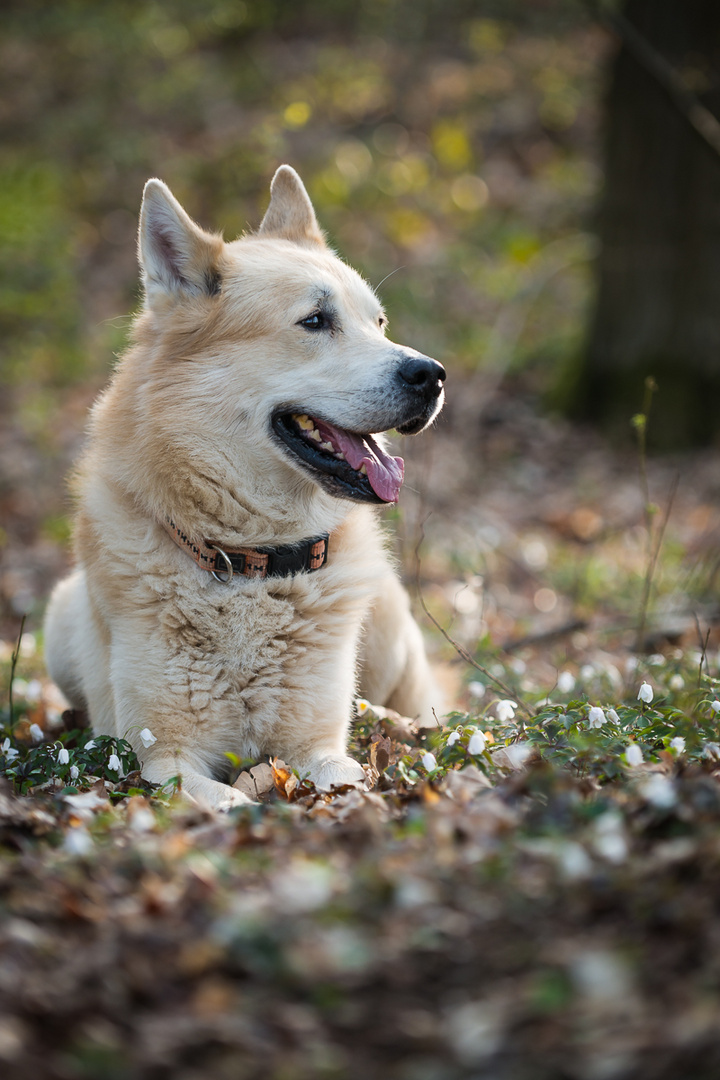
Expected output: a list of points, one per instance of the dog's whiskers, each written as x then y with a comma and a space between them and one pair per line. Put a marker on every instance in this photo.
397, 268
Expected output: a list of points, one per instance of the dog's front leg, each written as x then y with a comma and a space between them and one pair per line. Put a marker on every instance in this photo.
311, 733
201, 789
394, 670
181, 746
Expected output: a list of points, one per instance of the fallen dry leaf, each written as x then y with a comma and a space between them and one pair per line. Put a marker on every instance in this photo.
246, 784
263, 778
380, 752
287, 784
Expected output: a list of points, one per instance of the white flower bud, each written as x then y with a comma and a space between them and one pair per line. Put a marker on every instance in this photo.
477, 743
633, 755
645, 693
566, 682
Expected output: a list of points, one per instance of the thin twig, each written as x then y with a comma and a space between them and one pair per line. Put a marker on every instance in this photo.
652, 564
688, 104
463, 653
640, 423
703, 648
13, 664
543, 636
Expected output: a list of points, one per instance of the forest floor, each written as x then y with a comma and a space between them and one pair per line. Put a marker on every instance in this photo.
518, 894
528, 892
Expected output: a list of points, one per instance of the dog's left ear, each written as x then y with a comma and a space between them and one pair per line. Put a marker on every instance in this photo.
177, 257
290, 215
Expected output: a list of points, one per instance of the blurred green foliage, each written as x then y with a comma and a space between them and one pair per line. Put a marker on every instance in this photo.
447, 146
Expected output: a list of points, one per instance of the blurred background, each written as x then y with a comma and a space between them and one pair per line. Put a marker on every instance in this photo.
536, 185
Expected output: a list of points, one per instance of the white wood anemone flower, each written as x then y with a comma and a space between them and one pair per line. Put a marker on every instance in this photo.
477, 743
9, 751
634, 755
505, 710
645, 693
566, 682
596, 717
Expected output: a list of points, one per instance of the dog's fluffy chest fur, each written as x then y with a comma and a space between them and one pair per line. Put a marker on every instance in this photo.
225, 659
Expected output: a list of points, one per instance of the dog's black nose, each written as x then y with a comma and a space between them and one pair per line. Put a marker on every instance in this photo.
422, 373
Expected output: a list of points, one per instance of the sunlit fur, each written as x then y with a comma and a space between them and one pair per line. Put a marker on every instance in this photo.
140, 636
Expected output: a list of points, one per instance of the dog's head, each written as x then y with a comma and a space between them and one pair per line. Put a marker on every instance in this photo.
286, 345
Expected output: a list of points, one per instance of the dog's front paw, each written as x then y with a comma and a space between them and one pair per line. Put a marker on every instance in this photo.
232, 798
336, 772
212, 795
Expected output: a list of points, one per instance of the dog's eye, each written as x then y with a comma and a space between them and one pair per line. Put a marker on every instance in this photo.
382, 322
317, 321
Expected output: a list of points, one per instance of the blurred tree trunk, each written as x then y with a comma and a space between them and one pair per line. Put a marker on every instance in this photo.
658, 302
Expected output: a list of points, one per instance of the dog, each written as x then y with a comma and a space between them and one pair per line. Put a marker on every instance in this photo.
233, 589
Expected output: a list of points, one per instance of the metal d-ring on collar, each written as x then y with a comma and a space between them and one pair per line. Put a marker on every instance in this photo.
228, 566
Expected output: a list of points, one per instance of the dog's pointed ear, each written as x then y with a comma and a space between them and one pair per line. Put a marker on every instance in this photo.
290, 215
176, 256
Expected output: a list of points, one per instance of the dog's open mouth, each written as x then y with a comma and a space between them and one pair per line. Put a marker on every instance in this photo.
347, 464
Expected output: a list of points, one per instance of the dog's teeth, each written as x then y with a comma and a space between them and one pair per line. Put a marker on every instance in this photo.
363, 469
303, 421
315, 434
326, 446
339, 455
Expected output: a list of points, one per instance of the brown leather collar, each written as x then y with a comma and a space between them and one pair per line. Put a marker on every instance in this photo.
261, 562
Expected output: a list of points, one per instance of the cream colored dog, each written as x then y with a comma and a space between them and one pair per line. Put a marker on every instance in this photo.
232, 583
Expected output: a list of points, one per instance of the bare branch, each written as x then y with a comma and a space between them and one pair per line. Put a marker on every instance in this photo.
463, 653
697, 115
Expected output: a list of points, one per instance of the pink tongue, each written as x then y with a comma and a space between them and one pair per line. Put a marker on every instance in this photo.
385, 473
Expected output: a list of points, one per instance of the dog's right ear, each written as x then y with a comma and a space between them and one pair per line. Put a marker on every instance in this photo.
290, 215
176, 256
